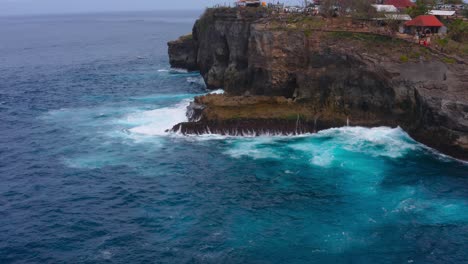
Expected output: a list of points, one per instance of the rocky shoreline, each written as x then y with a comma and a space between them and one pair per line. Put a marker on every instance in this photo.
293, 78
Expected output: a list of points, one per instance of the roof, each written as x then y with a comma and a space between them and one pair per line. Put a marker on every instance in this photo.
385, 8
425, 21
399, 3
400, 17
441, 13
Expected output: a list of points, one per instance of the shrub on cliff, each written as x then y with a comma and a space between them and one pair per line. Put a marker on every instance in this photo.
359, 9
458, 30
422, 7
465, 12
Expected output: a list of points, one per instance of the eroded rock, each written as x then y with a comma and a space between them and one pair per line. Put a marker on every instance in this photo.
332, 75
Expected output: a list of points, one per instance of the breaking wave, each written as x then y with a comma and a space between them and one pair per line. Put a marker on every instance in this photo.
156, 122
325, 146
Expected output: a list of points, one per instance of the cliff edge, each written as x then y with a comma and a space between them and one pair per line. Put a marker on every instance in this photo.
302, 74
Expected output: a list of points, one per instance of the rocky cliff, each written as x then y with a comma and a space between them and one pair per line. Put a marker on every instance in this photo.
331, 73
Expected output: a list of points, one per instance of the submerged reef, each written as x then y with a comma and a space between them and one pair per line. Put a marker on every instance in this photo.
303, 74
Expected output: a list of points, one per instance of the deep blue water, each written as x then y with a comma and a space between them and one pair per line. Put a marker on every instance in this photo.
88, 175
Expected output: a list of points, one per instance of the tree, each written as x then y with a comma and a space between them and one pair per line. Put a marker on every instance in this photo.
458, 30
421, 8
465, 12
443, 42
327, 7
361, 9
454, 2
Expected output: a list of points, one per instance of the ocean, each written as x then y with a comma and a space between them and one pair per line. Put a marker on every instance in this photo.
88, 173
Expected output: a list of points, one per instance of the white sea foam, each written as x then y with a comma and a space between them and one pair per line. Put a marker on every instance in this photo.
162, 97
434, 210
323, 159
156, 122
178, 70
198, 80
93, 161
327, 147
219, 91
377, 141
256, 148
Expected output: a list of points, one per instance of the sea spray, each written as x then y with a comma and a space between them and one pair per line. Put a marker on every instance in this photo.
157, 122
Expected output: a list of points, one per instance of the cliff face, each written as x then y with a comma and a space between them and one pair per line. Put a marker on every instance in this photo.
338, 76
183, 53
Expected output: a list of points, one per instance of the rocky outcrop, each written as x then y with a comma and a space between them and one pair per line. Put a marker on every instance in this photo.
331, 76
183, 53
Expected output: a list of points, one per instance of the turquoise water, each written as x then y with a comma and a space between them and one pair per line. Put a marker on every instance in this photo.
89, 174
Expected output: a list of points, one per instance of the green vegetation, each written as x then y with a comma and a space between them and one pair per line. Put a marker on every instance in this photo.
357, 9
186, 37
422, 8
366, 37
388, 48
442, 42
296, 21
362, 9
206, 19
415, 55
449, 46
448, 60
465, 12
404, 58
311, 22
458, 30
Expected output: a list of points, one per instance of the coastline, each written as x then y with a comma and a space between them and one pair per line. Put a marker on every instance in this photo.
332, 73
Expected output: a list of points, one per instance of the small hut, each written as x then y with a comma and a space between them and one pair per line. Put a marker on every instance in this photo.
424, 24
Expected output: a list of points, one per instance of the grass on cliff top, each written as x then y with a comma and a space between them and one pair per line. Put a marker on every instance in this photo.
258, 111
295, 21
453, 47
244, 12
221, 107
186, 37
366, 38
389, 48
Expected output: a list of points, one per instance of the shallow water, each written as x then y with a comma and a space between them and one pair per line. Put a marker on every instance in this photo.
88, 173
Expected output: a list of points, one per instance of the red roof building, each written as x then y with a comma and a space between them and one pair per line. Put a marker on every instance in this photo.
424, 21
399, 3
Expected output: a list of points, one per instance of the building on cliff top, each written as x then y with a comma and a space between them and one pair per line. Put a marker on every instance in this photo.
400, 4
443, 14
424, 23
385, 8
